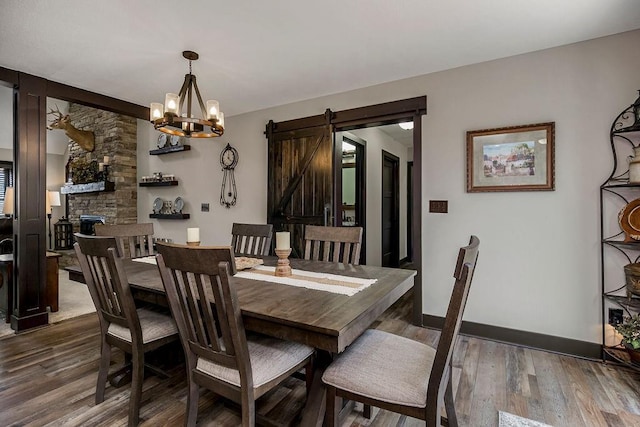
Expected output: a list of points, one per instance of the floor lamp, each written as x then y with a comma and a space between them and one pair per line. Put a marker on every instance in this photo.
53, 199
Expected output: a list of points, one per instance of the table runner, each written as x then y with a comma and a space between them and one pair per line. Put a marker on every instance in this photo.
334, 283
338, 284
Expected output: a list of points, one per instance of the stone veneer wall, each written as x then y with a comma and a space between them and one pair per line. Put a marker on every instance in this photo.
115, 136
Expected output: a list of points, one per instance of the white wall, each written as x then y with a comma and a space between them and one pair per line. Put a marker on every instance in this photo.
200, 176
538, 268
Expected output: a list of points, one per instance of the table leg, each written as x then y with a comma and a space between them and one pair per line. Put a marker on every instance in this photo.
313, 413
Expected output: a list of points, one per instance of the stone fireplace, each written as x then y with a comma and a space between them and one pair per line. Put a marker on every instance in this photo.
115, 137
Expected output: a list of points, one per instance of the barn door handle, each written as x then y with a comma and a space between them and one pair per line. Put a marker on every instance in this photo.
326, 212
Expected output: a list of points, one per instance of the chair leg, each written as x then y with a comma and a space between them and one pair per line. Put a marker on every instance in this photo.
332, 412
366, 411
192, 402
449, 403
248, 409
308, 375
103, 370
137, 378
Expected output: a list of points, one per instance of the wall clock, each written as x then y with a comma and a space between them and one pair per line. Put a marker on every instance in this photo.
228, 161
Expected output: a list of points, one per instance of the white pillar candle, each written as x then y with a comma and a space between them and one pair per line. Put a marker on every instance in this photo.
283, 240
106, 160
100, 167
193, 234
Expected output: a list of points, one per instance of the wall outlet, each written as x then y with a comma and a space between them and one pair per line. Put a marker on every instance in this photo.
204, 207
615, 316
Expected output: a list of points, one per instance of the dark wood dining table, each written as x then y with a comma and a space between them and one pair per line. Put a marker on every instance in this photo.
324, 320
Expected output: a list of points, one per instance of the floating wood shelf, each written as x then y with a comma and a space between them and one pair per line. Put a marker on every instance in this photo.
159, 184
90, 187
170, 216
172, 149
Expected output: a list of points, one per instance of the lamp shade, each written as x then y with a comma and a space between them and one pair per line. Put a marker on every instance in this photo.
53, 199
7, 208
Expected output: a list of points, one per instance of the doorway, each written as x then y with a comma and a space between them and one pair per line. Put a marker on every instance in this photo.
285, 185
390, 210
352, 209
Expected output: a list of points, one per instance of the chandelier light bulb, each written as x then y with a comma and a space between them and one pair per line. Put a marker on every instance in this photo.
157, 110
213, 107
171, 103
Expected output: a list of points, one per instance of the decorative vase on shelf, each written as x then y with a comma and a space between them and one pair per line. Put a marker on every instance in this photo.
634, 166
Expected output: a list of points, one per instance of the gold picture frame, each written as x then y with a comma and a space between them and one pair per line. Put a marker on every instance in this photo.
516, 158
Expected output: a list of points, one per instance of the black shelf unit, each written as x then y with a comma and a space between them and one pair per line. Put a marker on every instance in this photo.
158, 184
170, 149
170, 216
615, 193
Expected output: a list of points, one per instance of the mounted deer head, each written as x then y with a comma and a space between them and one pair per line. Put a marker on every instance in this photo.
84, 138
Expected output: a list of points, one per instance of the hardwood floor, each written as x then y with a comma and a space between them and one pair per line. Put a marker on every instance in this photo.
48, 376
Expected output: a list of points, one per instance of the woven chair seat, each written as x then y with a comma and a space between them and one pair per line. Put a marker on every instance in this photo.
270, 358
372, 368
154, 326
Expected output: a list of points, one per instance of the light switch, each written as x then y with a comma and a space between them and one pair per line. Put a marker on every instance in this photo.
439, 206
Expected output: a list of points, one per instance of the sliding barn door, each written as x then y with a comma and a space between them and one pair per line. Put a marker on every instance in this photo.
300, 178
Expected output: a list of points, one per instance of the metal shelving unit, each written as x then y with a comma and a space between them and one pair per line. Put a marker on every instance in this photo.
615, 193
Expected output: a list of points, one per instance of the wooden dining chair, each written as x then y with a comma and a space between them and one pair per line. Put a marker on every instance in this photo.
135, 331
134, 240
219, 355
251, 240
335, 244
401, 375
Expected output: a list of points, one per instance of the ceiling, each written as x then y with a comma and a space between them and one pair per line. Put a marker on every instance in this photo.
257, 54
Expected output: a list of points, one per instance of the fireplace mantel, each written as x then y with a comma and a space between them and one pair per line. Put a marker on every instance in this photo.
90, 187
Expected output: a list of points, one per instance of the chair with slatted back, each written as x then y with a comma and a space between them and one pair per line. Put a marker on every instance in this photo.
134, 240
335, 244
401, 375
135, 331
251, 240
219, 355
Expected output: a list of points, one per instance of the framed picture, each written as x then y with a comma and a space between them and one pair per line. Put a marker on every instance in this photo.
517, 158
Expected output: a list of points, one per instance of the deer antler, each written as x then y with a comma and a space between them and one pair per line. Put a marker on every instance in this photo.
57, 119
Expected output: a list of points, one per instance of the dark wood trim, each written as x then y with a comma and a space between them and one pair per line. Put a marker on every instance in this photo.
386, 112
296, 124
337, 180
395, 210
568, 346
29, 225
80, 96
416, 222
409, 242
9, 76
30, 119
96, 100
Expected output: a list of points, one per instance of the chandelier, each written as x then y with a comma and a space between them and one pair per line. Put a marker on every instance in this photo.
172, 118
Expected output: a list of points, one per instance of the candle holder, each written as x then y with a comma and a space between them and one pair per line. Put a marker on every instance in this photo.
283, 269
193, 243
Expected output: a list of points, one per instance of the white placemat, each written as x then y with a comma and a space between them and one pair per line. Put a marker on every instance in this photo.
344, 285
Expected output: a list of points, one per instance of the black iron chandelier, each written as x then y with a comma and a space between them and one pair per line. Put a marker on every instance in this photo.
172, 118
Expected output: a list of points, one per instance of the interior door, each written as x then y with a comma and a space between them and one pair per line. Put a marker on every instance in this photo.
300, 178
390, 210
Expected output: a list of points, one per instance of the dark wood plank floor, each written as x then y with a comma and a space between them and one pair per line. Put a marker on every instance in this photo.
47, 377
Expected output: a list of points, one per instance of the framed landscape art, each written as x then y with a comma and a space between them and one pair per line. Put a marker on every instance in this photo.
517, 158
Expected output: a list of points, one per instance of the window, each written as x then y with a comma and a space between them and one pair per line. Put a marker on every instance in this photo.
6, 180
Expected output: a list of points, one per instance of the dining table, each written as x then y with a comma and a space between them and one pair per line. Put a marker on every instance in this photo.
327, 321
